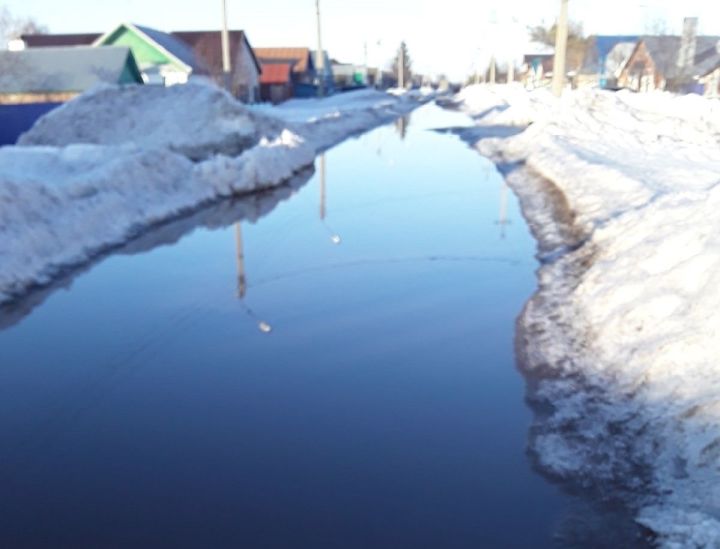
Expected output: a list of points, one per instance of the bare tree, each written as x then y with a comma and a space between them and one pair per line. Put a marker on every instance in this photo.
13, 27
577, 43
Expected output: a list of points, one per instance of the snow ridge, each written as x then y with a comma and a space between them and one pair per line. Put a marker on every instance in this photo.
84, 179
620, 342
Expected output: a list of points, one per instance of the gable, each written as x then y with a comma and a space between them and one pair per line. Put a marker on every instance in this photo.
146, 53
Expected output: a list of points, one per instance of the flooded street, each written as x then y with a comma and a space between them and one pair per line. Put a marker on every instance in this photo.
328, 365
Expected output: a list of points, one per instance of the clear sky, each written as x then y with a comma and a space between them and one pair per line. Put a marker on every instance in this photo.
448, 36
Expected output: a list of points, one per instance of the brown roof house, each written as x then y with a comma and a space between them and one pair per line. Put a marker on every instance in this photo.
304, 76
173, 58
681, 64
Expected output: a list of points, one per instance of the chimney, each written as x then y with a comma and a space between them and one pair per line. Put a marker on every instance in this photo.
688, 45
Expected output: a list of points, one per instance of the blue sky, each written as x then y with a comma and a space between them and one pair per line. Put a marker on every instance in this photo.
448, 36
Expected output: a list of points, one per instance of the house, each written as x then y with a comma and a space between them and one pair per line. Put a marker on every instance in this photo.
538, 64
57, 74
276, 83
303, 76
348, 76
679, 64
655, 64
201, 47
604, 57
245, 67
35, 81
326, 73
162, 58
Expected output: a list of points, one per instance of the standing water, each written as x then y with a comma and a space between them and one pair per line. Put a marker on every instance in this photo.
335, 369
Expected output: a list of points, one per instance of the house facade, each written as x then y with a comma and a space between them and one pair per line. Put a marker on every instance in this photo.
303, 76
173, 58
58, 74
245, 67
604, 58
162, 58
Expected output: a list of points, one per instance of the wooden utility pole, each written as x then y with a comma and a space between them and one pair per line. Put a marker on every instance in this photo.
227, 75
401, 67
561, 38
493, 76
320, 56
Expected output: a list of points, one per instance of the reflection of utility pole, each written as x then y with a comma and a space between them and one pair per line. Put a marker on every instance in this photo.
225, 36
503, 220
561, 39
320, 57
242, 282
240, 259
334, 238
322, 187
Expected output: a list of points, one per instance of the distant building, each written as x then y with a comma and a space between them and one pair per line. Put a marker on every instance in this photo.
348, 76
604, 58
162, 57
171, 58
655, 65
681, 64
245, 67
57, 74
303, 74
538, 64
276, 83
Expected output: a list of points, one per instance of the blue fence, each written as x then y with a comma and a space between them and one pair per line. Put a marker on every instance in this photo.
15, 119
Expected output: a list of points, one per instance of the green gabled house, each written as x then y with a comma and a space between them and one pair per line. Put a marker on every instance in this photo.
162, 58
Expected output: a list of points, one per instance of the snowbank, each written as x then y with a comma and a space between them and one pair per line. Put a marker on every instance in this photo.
621, 341
117, 161
194, 120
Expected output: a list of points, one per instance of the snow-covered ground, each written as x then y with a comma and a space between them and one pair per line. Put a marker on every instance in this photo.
116, 161
622, 341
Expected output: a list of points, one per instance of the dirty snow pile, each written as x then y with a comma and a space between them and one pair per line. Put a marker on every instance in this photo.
622, 340
119, 160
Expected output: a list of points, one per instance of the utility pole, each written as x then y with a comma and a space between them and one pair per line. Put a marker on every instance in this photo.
226, 49
401, 67
493, 76
320, 56
561, 38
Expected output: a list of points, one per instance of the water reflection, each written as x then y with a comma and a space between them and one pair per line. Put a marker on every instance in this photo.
242, 286
401, 126
334, 237
222, 214
503, 220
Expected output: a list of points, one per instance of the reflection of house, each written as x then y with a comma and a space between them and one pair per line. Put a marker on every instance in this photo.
54, 75
687, 63
172, 54
302, 75
605, 56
